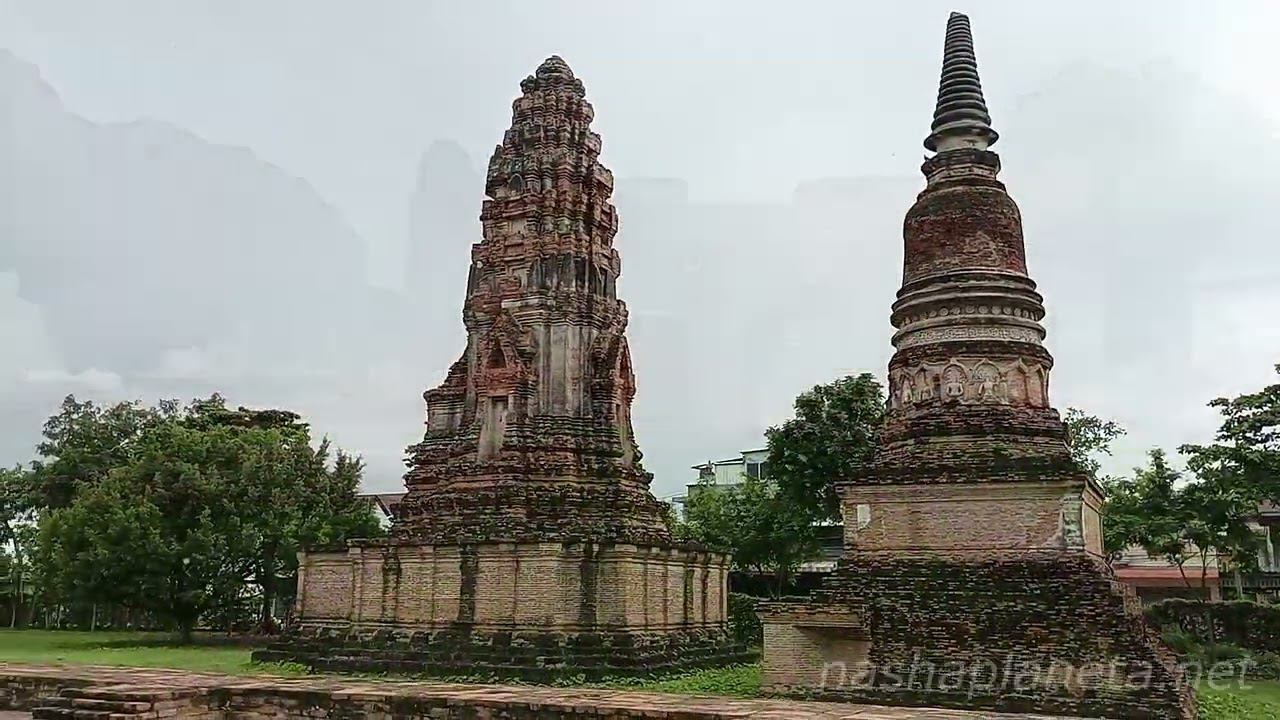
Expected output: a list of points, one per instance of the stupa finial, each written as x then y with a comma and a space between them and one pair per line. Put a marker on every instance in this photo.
960, 119
554, 65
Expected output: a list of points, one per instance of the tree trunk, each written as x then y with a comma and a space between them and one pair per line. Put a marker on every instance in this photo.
266, 619
186, 619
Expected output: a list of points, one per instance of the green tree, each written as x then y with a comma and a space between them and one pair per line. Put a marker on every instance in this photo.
209, 504
1089, 437
754, 523
1219, 524
163, 533
1245, 454
310, 505
1178, 520
84, 441
832, 435
1241, 469
17, 526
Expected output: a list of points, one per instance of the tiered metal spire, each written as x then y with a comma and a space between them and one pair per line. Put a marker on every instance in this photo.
961, 118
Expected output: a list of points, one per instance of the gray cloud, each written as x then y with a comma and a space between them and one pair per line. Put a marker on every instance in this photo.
295, 229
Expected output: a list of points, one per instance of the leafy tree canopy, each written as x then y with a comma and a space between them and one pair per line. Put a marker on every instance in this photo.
200, 503
754, 523
832, 435
1178, 520
1089, 437
1245, 454
84, 441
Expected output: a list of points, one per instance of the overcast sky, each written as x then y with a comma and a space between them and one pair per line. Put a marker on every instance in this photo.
275, 200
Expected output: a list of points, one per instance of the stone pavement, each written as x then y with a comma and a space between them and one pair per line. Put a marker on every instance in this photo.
489, 700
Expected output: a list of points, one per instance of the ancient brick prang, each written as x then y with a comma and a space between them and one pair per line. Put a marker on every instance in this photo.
528, 544
973, 540
530, 435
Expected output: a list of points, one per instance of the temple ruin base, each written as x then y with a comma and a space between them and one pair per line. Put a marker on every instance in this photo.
1043, 632
529, 610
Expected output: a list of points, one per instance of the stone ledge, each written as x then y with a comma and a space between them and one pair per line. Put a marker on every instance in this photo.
218, 697
528, 655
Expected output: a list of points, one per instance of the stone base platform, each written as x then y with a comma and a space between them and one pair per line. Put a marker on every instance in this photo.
526, 654
98, 693
1019, 632
533, 610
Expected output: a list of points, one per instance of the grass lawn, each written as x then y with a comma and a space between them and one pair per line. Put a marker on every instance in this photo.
736, 681
1261, 701
133, 649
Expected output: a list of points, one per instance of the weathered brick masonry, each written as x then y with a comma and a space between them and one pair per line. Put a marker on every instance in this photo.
528, 543
972, 574
98, 693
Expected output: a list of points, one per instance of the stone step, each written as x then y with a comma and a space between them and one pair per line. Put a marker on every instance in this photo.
129, 693
112, 705
53, 713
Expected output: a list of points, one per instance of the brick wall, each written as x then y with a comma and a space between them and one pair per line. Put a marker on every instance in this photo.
533, 610
324, 585
972, 516
544, 585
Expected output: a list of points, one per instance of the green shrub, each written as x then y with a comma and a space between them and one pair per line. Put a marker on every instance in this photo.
1265, 665
1219, 652
735, 681
1252, 626
1181, 642
744, 623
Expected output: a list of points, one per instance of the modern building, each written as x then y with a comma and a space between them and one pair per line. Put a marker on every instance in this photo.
1264, 583
754, 463
749, 463
1155, 579
385, 504
723, 473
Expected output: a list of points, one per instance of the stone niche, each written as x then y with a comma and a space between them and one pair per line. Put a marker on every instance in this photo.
529, 609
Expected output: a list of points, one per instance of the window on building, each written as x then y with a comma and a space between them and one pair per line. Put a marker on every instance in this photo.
757, 470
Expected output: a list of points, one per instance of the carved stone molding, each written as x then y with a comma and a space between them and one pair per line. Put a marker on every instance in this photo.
911, 338
971, 309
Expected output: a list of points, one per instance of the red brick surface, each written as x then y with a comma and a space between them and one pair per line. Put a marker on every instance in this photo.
216, 697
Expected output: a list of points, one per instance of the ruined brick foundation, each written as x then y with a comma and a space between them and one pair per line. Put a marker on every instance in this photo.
1048, 633
534, 610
